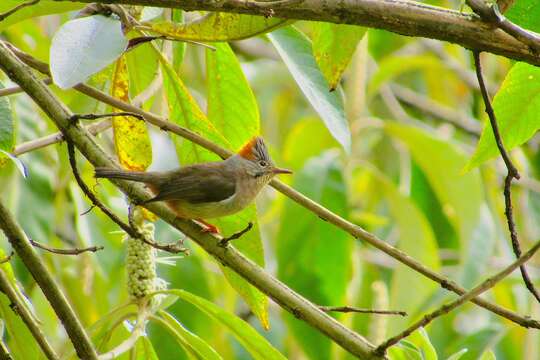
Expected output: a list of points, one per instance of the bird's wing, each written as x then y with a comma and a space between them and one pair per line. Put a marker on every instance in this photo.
197, 184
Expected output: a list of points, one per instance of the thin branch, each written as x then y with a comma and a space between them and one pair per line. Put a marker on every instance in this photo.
512, 174
230, 257
76, 117
7, 258
445, 309
22, 310
17, 89
4, 15
402, 17
75, 251
225, 241
50, 288
56, 138
4, 351
347, 309
319, 210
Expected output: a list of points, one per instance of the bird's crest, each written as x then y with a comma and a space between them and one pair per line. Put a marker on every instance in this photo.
255, 149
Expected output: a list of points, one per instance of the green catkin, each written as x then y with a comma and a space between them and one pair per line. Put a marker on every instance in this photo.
141, 265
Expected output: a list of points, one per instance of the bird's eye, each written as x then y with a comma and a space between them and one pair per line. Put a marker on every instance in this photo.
263, 163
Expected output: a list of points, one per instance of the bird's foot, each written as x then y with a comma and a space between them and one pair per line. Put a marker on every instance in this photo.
209, 228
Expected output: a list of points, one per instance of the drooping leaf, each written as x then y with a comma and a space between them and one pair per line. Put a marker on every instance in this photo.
82, 47
144, 350
457, 355
421, 339
257, 345
313, 258
516, 106
232, 107
218, 27
7, 128
442, 162
333, 47
296, 51
185, 111
44, 7
131, 139
188, 339
18, 163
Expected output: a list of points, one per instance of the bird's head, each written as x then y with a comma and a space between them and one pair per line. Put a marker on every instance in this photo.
257, 160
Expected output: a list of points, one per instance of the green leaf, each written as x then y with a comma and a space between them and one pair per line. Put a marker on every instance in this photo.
218, 26
222, 97
333, 47
44, 7
7, 128
190, 341
525, 13
421, 339
232, 107
458, 355
488, 355
460, 195
313, 258
415, 237
393, 66
257, 345
82, 47
144, 350
404, 351
296, 51
516, 106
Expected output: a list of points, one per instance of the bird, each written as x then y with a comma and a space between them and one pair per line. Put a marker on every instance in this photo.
208, 190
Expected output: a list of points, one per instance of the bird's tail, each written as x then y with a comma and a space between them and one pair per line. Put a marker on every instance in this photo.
110, 173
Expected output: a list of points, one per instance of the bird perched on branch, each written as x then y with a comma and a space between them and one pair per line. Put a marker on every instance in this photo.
208, 190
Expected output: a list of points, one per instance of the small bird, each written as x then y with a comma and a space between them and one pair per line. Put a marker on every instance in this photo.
208, 190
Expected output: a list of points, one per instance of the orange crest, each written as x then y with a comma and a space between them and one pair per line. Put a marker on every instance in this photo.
247, 150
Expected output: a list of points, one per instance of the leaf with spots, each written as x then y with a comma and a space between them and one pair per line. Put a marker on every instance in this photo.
131, 139
218, 27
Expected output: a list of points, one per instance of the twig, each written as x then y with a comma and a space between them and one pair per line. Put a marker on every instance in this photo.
230, 257
347, 309
58, 137
7, 258
134, 42
319, 210
512, 174
75, 251
76, 117
22, 310
4, 351
17, 89
225, 241
4, 15
445, 309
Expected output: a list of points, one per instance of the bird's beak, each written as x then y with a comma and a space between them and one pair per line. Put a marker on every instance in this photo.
281, 171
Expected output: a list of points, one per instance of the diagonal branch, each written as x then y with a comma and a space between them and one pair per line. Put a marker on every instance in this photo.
279, 292
4, 15
402, 17
319, 210
22, 310
445, 309
512, 174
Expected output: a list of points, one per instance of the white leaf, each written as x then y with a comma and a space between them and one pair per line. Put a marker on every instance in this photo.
82, 47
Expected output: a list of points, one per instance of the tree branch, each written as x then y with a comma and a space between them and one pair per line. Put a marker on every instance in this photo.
75, 251
319, 210
403, 17
288, 299
22, 310
445, 309
4, 15
512, 174
348, 309
44, 279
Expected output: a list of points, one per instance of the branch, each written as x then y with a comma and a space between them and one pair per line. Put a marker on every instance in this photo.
22, 310
512, 174
288, 299
50, 288
4, 15
17, 89
347, 309
319, 210
403, 17
75, 251
445, 309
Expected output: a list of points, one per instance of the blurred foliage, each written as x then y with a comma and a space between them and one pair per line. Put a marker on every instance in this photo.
325, 99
